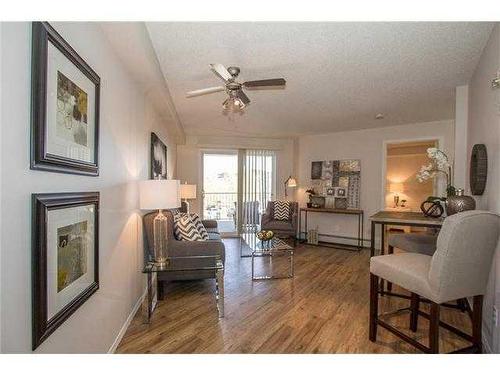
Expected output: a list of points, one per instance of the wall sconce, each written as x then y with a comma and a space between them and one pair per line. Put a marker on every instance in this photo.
290, 182
396, 189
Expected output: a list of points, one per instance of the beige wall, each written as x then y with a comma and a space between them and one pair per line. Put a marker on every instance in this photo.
126, 120
189, 158
484, 127
366, 145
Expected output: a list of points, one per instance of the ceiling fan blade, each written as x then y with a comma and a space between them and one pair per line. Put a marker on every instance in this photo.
209, 90
266, 82
221, 72
244, 98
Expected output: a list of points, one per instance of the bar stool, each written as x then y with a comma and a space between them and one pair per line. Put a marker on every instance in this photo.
420, 243
458, 269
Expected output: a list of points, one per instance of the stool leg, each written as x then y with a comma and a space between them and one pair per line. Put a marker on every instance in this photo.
373, 307
414, 306
477, 320
434, 328
390, 250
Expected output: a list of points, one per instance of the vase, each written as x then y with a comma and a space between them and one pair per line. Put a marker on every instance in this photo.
459, 202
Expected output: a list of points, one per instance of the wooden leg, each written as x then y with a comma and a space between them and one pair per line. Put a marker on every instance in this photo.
434, 328
373, 307
477, 320
390, 250
382, 252
372, 240
415, 302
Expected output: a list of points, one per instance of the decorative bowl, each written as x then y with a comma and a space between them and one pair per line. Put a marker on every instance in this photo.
265, 235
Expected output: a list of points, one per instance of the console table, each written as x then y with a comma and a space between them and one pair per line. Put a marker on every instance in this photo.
335, 211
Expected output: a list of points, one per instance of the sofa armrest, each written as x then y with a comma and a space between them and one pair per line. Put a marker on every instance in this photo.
209, 223
196, 248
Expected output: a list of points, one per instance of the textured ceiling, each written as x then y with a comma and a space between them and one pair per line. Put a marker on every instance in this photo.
339, 75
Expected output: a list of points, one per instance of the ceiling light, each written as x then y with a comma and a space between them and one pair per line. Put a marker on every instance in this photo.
233, 103
379, 116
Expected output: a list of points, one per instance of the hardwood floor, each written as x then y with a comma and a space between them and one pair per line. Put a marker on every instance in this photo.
324, 309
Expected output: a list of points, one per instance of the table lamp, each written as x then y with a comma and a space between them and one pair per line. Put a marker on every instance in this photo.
159, 195
188, 192
396, 188
290, 182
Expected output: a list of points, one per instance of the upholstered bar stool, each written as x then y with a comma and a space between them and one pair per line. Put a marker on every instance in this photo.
420, 243
458, 269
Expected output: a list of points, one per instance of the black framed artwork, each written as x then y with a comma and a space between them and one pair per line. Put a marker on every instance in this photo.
158, 159
64, 106
65, 258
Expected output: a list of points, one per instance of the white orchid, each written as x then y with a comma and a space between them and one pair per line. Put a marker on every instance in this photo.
439, 164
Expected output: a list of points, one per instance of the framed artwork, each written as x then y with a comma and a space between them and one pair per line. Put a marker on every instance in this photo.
340, 178
65, 258
64, 106
158, 158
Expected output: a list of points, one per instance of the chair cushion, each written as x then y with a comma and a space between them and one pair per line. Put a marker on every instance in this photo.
414, 242
408, 270
188, 227
282, 210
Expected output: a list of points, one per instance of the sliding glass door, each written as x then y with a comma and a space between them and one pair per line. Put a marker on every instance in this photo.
236, 188
220, 189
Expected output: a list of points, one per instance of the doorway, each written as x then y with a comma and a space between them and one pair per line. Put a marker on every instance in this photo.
403, 160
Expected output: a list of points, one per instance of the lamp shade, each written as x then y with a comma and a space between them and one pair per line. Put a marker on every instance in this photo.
291, 182
159, 194
188, 191
396, 187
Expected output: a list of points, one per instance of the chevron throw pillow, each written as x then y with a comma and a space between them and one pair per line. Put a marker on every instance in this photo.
187, 228
281, 210
199, 225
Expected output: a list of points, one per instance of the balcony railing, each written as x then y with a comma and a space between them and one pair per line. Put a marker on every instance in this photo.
220, 206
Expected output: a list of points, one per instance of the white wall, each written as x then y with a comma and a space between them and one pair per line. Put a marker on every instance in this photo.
126, 122
366, 145
484, 127
189, 164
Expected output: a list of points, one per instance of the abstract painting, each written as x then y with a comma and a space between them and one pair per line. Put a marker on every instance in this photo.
71, 116
72, 250
65, 257
340, 177
64, 106
158, 158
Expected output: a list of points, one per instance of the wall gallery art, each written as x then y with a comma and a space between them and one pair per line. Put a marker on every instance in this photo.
158, 158
64, 106
340, 179
65, 257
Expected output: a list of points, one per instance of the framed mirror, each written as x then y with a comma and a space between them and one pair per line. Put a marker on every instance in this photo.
478, 169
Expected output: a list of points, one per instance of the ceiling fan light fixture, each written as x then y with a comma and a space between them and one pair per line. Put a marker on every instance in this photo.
233, 103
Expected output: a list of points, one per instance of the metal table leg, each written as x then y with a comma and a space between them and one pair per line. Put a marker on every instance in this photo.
219, 282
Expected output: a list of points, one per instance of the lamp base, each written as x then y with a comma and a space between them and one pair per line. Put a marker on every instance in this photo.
160, 239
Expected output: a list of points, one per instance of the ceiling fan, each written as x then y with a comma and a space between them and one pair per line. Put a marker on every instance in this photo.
237, 98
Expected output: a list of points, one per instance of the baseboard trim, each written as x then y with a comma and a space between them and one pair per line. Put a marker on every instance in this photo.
127, 323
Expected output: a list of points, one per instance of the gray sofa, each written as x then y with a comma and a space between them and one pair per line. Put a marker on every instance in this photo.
176, 248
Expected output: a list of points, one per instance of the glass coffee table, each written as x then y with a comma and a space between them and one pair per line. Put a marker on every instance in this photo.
272, 248
183, 264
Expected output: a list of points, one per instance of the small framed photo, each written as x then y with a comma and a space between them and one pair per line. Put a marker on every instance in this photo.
64, 106
158, 158
65, 258
340, 192
330, 191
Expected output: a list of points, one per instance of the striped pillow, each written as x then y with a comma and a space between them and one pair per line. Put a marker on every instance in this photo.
188, 227
281, 210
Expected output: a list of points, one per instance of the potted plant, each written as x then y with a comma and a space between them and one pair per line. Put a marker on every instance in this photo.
311, 193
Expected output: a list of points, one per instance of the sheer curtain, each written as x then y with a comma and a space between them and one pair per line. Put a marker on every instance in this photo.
258, 186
